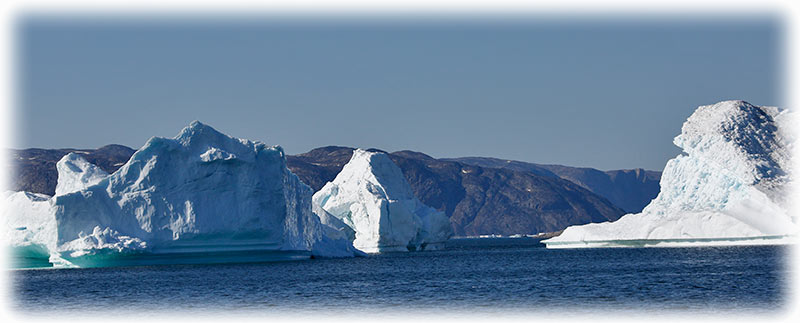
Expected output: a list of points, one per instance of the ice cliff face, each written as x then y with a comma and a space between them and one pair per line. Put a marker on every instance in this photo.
732, 183
201, 191
372, 198
27, 218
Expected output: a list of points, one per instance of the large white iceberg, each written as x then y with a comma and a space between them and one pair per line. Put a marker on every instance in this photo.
200, 197
731, 186
371, 201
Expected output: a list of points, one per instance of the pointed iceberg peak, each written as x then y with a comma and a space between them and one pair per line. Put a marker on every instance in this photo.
372, 197
76, 173
198, 127
207, 144
197, 124
378, 171
198, 131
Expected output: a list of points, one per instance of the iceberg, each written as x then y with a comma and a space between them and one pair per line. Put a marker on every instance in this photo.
730, 187
372, 204
200, 197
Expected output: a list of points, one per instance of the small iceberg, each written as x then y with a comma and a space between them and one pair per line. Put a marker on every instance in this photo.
371, 202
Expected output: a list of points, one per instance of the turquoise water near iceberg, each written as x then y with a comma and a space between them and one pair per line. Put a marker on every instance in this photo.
498, 275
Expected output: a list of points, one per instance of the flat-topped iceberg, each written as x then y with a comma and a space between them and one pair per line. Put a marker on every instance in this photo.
200, 197
731, 186
371, 202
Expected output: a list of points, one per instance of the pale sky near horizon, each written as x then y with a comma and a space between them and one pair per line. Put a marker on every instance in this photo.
603, 93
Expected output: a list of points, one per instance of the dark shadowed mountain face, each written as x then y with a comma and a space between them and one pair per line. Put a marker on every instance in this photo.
319, 166
629, 189
35, 169
478, 200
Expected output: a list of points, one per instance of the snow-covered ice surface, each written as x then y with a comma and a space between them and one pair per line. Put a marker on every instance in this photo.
75, 174
371, 202
731, 186
200, 197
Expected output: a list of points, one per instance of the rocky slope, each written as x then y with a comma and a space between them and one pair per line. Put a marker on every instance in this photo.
629, 189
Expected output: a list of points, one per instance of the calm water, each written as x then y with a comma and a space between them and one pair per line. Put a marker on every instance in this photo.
473, 275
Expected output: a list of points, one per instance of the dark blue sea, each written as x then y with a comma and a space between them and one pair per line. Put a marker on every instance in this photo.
498, 275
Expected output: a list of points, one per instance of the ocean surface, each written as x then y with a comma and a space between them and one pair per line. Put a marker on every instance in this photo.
490, 275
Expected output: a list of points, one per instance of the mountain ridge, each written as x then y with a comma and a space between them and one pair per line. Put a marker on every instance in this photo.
630, 189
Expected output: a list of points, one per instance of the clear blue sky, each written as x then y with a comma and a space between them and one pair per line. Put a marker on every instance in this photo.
606, 93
